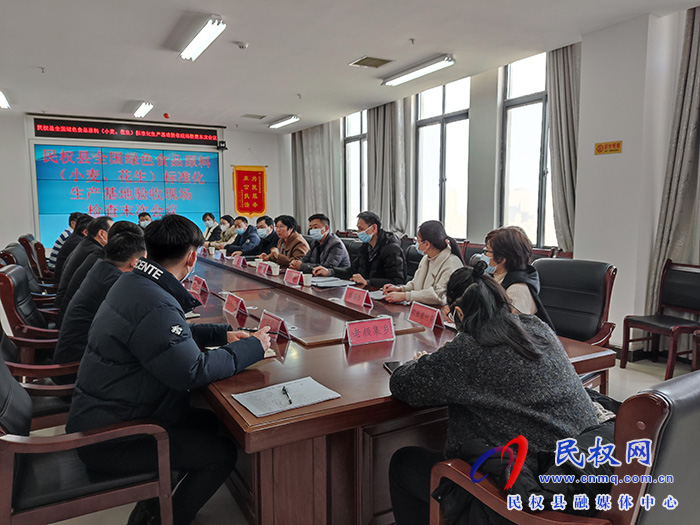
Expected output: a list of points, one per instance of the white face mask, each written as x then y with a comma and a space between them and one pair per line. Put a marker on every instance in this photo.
143, 224
224, 227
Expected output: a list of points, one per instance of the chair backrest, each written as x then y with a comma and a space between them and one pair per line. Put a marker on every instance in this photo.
576, 295
17, 302
20, 257
36, 254
540, 253
564, 255
680, 287
8, 350
668, 414
413, 259
15, 405
472, 248
405, 242
353, 246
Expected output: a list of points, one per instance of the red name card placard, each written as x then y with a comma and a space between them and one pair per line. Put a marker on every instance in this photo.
199, 285
239, 261
292, 276
218, 255
263, 268
357, 296
369, 331
235, 305
275, 323
202, 251
426, 316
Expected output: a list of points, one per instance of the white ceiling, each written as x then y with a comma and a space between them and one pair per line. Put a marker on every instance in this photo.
100, 57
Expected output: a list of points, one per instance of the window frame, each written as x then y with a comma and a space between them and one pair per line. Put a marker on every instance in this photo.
361, 138
526, 100
443, 120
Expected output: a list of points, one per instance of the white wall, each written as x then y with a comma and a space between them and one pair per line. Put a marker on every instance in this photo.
16, 206
628, 74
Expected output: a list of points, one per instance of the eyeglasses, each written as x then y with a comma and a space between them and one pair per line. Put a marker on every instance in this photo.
485, 252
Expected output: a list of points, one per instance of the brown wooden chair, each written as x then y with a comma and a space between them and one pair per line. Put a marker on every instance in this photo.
14, 253
680, 290
37, 258
539, 253
561, 254
668, 415
44, 481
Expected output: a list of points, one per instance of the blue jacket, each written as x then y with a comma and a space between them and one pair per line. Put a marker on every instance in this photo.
142, 357
245, 243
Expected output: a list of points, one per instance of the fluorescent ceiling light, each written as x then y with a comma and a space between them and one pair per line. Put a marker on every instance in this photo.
4, 104
419, 70
212, 29
286, 121
143, 109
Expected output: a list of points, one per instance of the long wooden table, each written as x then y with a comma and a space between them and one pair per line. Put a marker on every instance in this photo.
327, 463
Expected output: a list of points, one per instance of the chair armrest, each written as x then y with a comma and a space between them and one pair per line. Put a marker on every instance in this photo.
603, 336
41, 371
37, 390
49, 287
491, 495
42, 299
37, 344
49, 313
42, 444
42, 333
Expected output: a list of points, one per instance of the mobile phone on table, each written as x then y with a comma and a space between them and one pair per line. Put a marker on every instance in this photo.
391, 366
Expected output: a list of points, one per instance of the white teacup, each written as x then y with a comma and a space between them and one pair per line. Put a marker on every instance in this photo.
307, 279
212, 250
275, 268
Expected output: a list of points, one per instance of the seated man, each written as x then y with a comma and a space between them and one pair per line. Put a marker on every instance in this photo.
97, 232
143, 359
268, 236
246, 240
82, 271
145, 219
71, 244
72, 219
380, 261
122, 252
326, 250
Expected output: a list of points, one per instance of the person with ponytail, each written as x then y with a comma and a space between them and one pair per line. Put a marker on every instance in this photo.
502, 376
441, 257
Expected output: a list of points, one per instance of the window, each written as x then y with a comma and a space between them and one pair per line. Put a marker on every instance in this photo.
526, 198
355, 147
443, 156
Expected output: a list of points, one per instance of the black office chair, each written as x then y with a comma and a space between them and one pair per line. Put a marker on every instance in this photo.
18, 255
413, 258
353, 245
42, 479
37, 258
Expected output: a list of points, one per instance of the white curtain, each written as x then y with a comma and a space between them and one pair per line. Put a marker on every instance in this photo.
390, 164
318, 174
563, 89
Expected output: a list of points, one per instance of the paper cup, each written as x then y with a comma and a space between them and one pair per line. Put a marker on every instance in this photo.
275, 269
212, 250
307, 279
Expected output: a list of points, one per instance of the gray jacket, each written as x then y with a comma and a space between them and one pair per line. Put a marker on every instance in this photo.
331, 254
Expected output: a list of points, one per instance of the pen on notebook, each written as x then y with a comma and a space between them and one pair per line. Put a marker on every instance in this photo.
255, 330
286, 394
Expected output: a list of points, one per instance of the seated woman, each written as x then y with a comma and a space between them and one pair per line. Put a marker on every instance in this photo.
508, 252
228, 234
291, 247
441, 257
502, 376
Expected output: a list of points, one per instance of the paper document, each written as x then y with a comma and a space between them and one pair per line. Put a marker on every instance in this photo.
285, 396
377, 295
331, 282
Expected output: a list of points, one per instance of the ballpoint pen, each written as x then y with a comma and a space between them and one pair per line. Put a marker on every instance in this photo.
286, 393
243, 328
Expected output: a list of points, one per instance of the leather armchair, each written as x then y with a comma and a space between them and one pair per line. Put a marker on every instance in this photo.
37, 258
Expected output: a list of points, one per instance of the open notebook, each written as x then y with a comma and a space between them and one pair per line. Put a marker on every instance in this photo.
273, 399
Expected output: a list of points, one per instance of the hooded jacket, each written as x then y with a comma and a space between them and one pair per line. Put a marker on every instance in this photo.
384, 264
142, 356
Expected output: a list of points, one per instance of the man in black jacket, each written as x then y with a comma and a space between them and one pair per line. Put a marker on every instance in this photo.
97, 235
122, 252
268, 236
380, 261
247, 239
143, 358
326, 250
71, 244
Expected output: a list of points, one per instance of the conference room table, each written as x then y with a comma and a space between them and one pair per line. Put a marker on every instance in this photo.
326, 463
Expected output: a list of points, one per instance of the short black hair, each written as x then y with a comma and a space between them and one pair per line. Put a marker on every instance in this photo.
97, 224
124, 226
124, 246
370, 218
169, 239
74, 216
289, 221
208, 214
145, 214
321, 217
268, 220
82, 222
228, 219
241, 218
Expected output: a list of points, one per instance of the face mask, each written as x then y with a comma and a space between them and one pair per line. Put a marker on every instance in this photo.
224, 227
262, 232
143, 224
190, 271
316, 234
364, 236
240, 231
419, 250
209, 224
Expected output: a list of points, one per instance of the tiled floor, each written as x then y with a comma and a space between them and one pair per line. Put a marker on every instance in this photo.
222, 509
